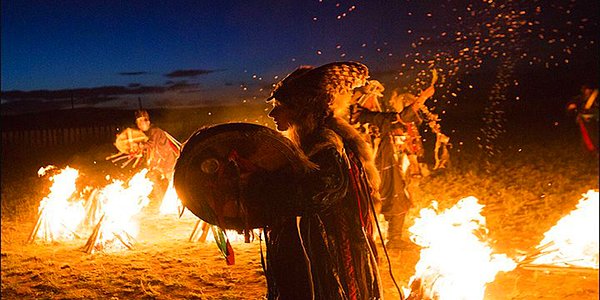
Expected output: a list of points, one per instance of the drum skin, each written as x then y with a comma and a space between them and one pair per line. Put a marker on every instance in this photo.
129, 141
238, 175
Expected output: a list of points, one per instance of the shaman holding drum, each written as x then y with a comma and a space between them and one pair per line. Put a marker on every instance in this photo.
312, 193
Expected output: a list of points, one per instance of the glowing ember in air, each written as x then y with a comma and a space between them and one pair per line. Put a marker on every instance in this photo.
61, 212
171, 204
456, 261
573, 241
117, 228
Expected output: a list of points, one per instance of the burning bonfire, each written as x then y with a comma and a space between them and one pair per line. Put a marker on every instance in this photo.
61, 212
110, 210
171, 204
116, 228
573, 241
456, 261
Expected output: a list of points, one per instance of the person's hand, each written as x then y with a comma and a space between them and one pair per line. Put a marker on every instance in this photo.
426, 94
572, 106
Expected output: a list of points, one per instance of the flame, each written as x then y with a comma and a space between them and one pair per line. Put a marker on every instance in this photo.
171, 204
573, 241
60, 213
456, 262
234, 237
120, 205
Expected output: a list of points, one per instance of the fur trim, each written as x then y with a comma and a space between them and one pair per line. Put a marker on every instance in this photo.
352, 138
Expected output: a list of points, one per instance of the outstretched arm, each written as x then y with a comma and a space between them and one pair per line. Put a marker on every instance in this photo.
428, 92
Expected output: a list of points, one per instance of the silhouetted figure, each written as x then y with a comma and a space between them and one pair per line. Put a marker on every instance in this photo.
394, 136
324, 248
585, 107
160, 151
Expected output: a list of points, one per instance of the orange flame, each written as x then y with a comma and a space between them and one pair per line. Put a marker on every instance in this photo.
573, 241
171, 204
456, 261
120, 205
61, 212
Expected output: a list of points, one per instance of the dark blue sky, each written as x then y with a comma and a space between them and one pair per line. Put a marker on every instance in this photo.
231, 47
69, 44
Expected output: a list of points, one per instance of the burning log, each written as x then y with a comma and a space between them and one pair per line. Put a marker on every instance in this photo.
126, 241
93, 209
119, 204
91, 242
573, 241
94, 241
539, 251
558, 269
36, 228
60, 213
200, 235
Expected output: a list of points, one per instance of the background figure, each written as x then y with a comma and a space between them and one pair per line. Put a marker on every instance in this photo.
321, 246
410, 108
394, 135
585, 106
161, 152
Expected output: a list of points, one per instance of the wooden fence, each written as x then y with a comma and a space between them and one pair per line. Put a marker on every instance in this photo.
59, 136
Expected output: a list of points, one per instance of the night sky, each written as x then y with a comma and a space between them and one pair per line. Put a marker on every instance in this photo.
235, 50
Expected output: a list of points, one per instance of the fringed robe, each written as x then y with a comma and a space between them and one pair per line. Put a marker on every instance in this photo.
334, 255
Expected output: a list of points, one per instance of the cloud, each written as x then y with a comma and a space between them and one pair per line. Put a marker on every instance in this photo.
95, 94
190, 73
132, 73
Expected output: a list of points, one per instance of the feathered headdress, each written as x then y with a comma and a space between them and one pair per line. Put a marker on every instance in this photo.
309, 86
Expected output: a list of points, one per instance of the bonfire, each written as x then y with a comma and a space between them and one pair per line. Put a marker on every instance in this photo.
61, 212
573, 241
456, 259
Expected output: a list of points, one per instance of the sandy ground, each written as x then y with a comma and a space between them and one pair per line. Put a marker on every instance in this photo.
525, 192
165, 265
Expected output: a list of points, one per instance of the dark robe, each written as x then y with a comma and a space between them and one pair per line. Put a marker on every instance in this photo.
335, 251
392, 189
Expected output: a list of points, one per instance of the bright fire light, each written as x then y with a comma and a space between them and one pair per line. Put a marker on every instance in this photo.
171, 204
120, 205
456, 261
573, 241
61, 212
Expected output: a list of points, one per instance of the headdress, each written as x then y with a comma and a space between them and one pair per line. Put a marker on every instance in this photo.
317, 87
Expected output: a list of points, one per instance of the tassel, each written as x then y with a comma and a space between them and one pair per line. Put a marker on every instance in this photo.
223, 245
230, 255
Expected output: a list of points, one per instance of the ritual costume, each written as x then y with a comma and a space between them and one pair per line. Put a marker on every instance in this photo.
394, 196
586, 107
321, 246
395, 137
160, 150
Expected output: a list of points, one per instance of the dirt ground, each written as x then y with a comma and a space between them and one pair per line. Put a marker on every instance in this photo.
525, 192
165, 265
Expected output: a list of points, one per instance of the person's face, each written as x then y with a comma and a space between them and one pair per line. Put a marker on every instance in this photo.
143, 123
282, 115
